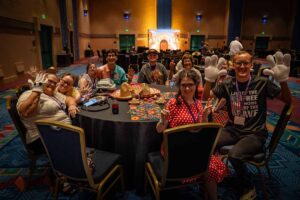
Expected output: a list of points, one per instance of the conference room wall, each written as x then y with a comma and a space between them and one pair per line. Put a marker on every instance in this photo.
107, 21
214, 22
83, 27
21, 44
279, 25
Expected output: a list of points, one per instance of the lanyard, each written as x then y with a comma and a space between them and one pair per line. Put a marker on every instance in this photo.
239, 95
60, 104
190, 111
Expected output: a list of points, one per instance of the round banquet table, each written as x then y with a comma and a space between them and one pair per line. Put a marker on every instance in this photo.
117, 133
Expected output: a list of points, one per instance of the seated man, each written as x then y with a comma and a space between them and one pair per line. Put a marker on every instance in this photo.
153, 72
43, 102
111, 69
246, 102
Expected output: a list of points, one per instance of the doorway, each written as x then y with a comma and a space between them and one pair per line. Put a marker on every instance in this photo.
46, 45
71, 43
262, 42
261, 46
196, 42
126, 42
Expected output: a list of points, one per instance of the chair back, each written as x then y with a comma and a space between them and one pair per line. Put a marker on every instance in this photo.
279, 128
65, 147
188, 150
11, 106
98, 53
134, 59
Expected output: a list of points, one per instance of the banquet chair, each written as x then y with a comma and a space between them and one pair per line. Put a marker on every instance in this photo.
187, 151
67, 152
32, 152
263, 158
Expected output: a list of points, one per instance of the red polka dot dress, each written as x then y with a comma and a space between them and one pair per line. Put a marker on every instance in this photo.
180, 115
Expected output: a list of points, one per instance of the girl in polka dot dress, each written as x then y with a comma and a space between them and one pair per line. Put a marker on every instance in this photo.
186, 109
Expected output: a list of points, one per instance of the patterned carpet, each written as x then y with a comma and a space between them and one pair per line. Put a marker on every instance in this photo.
285, 163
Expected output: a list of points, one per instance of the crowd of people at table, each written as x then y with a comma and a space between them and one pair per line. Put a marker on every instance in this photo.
51, 97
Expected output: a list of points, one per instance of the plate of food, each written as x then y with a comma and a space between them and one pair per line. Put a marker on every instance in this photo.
127, 91
146, 91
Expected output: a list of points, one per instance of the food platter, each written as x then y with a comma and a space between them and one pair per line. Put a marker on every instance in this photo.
137, 88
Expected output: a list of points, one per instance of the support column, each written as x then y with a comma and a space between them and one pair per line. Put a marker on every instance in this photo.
235, 19
64, 23
296, 32
164, 14
75, 28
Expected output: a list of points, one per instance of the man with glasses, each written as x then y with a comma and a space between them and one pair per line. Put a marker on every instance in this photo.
246, 101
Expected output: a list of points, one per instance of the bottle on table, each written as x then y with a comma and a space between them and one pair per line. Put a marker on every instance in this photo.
115, 107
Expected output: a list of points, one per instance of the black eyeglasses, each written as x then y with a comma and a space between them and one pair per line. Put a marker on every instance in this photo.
65, 82
50, 82
245, 63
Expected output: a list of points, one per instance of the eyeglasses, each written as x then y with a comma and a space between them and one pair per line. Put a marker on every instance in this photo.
245, 63
65, 82
50, 82
189, 85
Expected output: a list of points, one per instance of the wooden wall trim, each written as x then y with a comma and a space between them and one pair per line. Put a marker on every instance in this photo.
142, 35
183, 35
219, 37
100, 36
281, 38
13, 26
272, 38
16, 24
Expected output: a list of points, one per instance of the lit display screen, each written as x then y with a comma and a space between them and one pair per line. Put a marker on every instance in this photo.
164, 39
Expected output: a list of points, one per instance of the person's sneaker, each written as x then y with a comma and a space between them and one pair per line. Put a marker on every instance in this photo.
249, 194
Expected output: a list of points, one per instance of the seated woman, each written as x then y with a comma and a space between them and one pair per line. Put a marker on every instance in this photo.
187, 63
88, 81
187, 109
42, 102
66, 87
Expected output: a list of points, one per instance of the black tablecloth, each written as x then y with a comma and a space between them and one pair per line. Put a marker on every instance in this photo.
119, 134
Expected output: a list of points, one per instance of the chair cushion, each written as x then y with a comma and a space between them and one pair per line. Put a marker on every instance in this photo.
104, 162
156, 161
